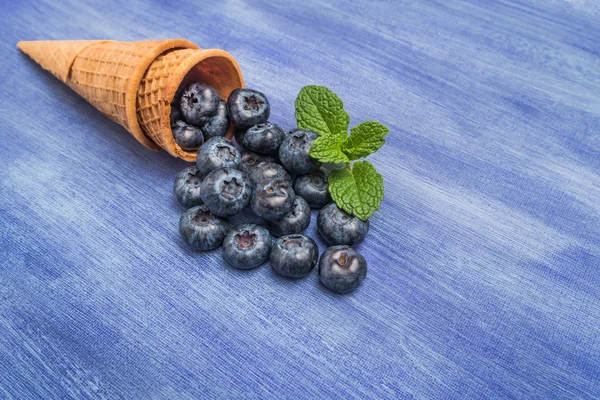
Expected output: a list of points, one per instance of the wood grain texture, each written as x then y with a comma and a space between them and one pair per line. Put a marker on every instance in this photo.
484, 260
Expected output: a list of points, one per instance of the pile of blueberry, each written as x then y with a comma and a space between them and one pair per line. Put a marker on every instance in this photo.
274, 176
197, 113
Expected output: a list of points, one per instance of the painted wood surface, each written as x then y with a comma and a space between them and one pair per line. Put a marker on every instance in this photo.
484, 260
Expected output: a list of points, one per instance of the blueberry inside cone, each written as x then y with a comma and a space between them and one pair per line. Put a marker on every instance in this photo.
198, 101
217, 124
187, 136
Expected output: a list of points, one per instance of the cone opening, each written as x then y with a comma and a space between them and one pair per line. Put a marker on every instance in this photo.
216, 68
217, 72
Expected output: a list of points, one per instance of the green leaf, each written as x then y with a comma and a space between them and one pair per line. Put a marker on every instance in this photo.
320, 110
328, 148
358, 192
365, 139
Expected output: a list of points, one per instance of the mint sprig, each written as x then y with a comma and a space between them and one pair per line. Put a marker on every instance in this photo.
357, 188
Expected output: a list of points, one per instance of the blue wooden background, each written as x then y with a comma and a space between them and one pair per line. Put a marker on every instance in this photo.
484, 260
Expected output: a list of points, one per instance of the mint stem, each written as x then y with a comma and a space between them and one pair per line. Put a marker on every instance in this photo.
348, 166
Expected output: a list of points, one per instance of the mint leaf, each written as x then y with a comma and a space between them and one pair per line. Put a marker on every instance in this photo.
320, 110
328, 148
358, 192
365, 139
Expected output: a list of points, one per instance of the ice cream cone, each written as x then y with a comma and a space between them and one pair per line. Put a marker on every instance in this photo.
133, 83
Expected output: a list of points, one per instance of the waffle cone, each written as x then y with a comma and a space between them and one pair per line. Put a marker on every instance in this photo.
133, 83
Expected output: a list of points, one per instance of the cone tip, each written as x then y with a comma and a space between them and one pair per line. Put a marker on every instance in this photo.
26, 45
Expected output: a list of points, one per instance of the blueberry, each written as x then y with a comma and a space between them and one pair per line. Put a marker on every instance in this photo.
216, 125
197, 102
338, 227
225, 191
247, 246
251, 160
188, 137
217, 152
295, 221
342, 269
263, 138
268, 171
314, 188
272, 199
294, 149
294, 256
187, 187
248, 108
202, 230
239, 135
